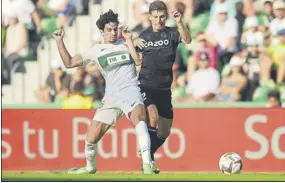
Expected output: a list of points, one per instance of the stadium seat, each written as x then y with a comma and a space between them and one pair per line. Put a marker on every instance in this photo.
43, 60
83, 28
17, 82
110, 4
94, 10
71, 39
94, 13
54, 54
122, 10
31, 81
7, 94
83, 32
131, 21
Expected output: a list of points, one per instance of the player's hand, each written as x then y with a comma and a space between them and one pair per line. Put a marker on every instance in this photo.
126, 33
176, 15
139, 42
58, 34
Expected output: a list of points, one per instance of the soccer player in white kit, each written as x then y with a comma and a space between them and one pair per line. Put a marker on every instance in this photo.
122, 94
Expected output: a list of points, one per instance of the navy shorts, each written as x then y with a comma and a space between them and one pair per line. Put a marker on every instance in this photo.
160, 98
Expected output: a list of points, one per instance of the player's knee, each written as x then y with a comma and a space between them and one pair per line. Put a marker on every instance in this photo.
138, 114
164, 128
163, 132
91, 139
153, 118
152, 115
141, 117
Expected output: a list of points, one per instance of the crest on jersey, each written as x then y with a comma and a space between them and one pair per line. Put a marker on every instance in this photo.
123, 57
163, 34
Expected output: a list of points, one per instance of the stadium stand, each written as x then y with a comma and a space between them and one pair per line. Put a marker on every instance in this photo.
264, 68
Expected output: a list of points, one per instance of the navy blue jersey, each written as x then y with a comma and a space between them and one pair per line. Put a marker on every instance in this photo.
158, 57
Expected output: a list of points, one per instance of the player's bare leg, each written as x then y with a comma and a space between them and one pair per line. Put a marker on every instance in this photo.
95, 132
159, 130
138, 118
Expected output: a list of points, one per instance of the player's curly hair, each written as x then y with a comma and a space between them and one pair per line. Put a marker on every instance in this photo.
106, 18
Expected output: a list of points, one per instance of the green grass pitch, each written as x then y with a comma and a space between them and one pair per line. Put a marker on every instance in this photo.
25, 176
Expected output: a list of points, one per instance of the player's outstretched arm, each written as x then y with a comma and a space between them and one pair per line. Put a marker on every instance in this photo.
68, 60
128, 36
184, 33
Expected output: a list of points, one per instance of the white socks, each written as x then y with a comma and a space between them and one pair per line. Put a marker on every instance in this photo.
90, 155
144, 141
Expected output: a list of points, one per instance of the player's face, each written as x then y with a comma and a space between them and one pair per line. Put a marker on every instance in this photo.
110, 32
158, 19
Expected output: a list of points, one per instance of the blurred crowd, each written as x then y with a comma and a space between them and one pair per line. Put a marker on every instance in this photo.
82, 88
27, 22
237, 52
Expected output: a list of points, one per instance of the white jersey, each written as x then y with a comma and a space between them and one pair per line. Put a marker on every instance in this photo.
115, 64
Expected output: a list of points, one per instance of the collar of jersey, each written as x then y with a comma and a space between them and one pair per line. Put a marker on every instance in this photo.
151, 29
118, 42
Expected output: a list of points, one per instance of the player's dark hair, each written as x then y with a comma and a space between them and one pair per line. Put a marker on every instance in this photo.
106, 18
157, 6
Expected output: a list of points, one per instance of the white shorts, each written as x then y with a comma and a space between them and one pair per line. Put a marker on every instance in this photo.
112, 107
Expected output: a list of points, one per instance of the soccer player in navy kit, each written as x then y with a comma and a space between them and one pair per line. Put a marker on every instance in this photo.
158, 55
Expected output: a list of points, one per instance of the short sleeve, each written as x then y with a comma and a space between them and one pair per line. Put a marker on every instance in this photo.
142, 36
178, 58
175, 35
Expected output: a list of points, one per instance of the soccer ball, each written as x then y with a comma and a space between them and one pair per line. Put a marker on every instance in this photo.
230, 163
